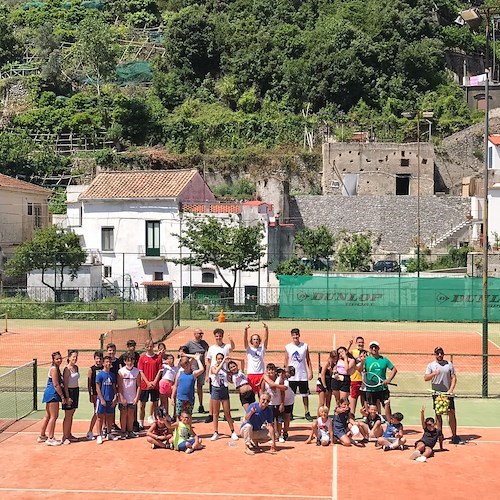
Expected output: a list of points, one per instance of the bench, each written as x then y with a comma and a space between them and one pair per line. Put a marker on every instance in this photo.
110, 315
235, 315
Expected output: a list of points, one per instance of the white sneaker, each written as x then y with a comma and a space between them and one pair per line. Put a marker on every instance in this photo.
234, 436
41, 439
52, 442
421, 459
90, 436
151, 420
281, 439
66, 442
99, 440
189, 450
112, 437
214, 437
415, 455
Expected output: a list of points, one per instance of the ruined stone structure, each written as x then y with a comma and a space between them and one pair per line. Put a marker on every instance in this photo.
378, 168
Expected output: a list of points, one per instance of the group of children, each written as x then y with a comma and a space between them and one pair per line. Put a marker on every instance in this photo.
122, 382
347, 431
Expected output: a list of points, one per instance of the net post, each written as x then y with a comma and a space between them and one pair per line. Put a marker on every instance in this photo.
35, 384
6, 322
101, 341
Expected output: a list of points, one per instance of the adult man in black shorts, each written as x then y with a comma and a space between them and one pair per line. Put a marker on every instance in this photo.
297, 355
201, 346
443, 376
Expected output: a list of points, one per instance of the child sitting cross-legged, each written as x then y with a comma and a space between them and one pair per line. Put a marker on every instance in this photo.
392, 438
424, 446
159, 433
322, 428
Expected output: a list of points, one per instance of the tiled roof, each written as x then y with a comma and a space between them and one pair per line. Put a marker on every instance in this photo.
212, 208
12, 183
139, 184
494, 139
156, 283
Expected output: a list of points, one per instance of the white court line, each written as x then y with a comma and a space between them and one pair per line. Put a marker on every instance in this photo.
489, 340
334, 472
156, 493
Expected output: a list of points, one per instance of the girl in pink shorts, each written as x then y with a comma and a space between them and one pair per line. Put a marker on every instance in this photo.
167, 380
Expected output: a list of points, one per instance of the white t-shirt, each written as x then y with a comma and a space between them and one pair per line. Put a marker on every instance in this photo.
215, 349
219, 379
442, 381
169, 372
289, 394
275, 394
239, 379
129, 383
297, 359
255, 359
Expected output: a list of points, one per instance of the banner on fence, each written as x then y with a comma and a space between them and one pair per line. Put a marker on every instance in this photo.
387, 298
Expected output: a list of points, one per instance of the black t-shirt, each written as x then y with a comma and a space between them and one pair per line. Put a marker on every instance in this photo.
371, 422
121, 361
430, 438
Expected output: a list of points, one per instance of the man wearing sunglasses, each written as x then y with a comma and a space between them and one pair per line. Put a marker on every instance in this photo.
257, 425
442, 374
198, 345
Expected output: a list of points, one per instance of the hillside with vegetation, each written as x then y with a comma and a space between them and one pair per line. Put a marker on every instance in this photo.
223, 84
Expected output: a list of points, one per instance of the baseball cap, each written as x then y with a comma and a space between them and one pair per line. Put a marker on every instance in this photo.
438, 349
374, 342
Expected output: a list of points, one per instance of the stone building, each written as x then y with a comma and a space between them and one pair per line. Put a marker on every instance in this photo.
353, 168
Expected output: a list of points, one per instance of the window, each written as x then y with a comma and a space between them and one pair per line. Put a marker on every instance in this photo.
37, 221
158, 276
107, 272
490, 157
207, 277
153, 238
405, 162
30, 208
107, 239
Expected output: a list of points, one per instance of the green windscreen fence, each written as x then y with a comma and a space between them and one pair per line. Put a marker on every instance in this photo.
391, 298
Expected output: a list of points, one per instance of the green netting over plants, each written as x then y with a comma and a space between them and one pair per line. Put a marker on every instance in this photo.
93, 4
394, 298
33, 5
134, 72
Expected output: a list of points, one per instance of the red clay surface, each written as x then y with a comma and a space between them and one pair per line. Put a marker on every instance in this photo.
130, 469
24, 343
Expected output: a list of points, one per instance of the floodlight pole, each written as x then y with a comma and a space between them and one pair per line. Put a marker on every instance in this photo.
488, 13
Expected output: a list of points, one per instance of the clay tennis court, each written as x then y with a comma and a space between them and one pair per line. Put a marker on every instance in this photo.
130, 469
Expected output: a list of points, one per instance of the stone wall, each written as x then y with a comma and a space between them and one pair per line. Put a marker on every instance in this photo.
381, 168
393, 219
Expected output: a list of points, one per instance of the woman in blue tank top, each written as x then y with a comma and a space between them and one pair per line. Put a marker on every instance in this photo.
53, 395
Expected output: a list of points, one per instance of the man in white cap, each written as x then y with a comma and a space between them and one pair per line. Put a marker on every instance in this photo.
443, 377
377, 364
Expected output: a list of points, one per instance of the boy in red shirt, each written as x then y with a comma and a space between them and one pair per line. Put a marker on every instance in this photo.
150, 365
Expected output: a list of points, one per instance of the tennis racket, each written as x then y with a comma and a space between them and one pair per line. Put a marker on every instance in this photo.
439, 393
371, 379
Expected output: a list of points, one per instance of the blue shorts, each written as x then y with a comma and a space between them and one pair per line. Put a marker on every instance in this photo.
182, 446
219, 393
104, 409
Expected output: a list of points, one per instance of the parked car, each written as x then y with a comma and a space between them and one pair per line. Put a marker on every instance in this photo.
386, 266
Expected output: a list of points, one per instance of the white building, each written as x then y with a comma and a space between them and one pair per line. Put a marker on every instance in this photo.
129, 221
23, 210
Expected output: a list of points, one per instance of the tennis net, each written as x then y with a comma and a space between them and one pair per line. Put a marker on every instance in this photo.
18, 393
157, 329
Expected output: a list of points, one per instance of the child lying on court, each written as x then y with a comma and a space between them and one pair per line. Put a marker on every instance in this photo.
392, 438
424, 446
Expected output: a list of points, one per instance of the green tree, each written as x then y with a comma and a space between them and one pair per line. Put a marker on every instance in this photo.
9, 48
293, 267
456, 257
50, 249
227, 247
317, 245
353, 251
95, 49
